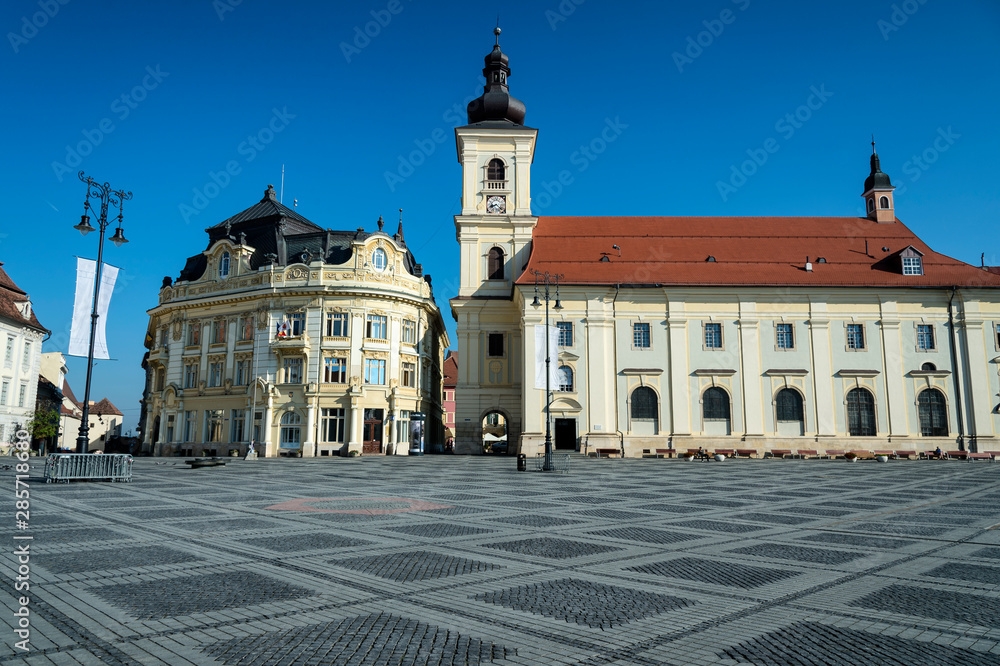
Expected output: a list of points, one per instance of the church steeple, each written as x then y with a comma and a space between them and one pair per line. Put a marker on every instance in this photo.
496, 102
878, 192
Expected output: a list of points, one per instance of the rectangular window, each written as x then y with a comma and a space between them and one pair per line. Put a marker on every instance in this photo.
925, 337
409, 375
332, 425
215, 373
190, 421
377, 327
242, 372
245, 328
194, 334
494, 344
855, 336
219, 332
403, 427
8, 356
640, 336
565, 333
784, 336
161, 375
409, 332
292, 370
3, 393
374, 371
335, 370
238, 425
336, 325
713, 335
913, 266
22, 393
190, 375
26, 357
213, 425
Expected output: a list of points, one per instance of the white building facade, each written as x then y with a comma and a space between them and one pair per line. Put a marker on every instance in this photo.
21, 335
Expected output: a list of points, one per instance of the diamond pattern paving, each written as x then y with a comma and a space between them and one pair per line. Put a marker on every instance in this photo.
716, 573
856, 540
646, 535
938, 604
807, 644
970, 573
198, 594
415, 565
584, 602
112, 558
439, 530
367, 639
295, 543
552, 548
798, 553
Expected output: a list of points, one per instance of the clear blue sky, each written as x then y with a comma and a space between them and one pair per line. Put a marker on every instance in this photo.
685, 88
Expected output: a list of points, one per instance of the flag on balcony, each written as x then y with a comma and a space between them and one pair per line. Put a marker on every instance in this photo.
284, 329
83, 303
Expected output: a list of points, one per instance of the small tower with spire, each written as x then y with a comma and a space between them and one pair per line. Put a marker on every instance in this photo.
878, 192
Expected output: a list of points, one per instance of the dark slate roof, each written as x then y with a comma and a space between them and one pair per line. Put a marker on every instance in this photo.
267, 207
876, 178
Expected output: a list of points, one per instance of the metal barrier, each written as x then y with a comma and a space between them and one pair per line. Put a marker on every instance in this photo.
557, 465
66, 467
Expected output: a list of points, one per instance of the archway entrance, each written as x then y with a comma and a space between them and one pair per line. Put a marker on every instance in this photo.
372, 440
495, 433
565, 434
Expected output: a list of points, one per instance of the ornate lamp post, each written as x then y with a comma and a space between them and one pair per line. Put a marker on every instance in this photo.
106, 196
546, 279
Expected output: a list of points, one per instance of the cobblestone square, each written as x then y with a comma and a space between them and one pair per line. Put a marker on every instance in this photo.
632, 561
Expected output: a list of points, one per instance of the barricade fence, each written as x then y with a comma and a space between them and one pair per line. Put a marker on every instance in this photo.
65, 467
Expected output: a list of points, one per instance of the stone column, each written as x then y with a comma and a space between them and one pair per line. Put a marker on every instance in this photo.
266, 446
309, 443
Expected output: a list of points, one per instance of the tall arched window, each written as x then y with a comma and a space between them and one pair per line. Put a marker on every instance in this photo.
224, 265
883, 202
861, 413
565, 374
715, 404
291, 430
788, 404
495, 170
871, 205
932, 413
495, 264
644, 411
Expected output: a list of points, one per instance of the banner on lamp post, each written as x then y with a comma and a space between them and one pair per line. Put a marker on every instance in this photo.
83, 303
540, 357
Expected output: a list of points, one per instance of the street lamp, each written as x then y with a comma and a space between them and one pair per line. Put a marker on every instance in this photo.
545, 279
107, 197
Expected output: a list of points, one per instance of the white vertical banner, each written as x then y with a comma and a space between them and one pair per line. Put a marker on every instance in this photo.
79, 336
540, 357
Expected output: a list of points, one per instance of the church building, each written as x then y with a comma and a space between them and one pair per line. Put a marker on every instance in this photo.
759, 333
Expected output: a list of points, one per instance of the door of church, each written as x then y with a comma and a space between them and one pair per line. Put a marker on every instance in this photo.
372, 443
565, 434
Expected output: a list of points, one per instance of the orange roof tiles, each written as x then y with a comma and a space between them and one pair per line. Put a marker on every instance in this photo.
748, 251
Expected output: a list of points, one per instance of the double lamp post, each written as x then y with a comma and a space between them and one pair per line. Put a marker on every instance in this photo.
103, 194
545, 280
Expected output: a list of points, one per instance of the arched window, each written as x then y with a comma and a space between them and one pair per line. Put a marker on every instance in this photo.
644, 403
883, 202
788, 405
928, 367
565, 374
871, 205
932, 413
495, 264
224, 265
861, 413
715, 404
291, 430
495, 170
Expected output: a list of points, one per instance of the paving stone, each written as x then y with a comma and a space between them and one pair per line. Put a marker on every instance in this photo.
857, 540
439, 530
717, 573
938, 604
584, 602
992, 553
798, 554
415, 565
551, 548
646, 535
112, 558
299, 543
970, 573
534, 520
719, 526
776, 518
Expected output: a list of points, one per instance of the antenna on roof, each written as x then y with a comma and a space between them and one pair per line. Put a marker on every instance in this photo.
615, 247
281, 195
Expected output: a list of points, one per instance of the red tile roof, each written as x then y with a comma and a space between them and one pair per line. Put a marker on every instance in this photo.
10, 296
105, 408
748, 251
451, 370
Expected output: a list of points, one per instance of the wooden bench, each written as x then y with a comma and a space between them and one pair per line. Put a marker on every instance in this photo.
834, 453
909, 455
607, 453
958, 455
780, 453
980, 456
808, 453
749, 453
729, 453
657, 453
863, 455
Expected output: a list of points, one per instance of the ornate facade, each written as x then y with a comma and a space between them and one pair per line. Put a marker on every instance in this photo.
757, 333
303, 340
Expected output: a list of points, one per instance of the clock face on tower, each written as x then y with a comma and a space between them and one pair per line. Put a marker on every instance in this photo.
496, 203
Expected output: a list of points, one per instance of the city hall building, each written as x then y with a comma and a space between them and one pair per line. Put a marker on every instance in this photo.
302, 340
679, 332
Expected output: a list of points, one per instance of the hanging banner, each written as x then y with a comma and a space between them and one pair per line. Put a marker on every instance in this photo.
540, 357
83, 303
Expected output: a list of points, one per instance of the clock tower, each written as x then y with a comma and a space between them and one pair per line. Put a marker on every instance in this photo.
493, 230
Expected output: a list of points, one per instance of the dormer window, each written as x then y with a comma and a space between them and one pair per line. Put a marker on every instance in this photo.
913, 266
883, 202
224, 265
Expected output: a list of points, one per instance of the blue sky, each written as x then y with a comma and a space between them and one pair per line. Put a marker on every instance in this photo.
649, 106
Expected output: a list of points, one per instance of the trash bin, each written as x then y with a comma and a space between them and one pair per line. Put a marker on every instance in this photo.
522, 462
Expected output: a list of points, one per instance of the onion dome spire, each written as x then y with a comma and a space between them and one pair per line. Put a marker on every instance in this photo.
876, 179
496, 102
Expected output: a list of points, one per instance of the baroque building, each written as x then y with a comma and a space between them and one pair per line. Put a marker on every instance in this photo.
299, 339
675, 332
21, 335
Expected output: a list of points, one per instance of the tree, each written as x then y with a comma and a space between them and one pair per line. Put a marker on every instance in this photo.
44, 424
